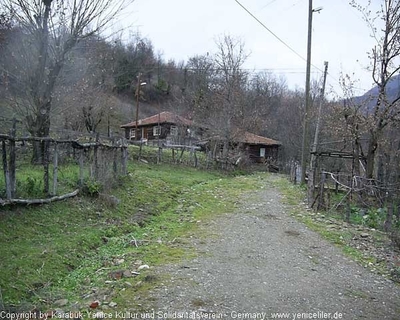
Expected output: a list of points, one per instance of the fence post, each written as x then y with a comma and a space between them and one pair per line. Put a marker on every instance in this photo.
337, 182
321, 194
95, 158
46, 160
114, 151
310, 187
12, 165
5, 169
159, 154
55, 168
81, 155
124, 160
180, 157
195, 158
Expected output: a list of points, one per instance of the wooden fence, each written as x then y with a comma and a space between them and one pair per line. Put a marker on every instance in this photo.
93, 155
336, 190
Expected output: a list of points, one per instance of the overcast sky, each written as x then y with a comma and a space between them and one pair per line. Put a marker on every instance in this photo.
184, 28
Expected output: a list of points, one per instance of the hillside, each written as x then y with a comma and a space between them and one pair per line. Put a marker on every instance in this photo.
369, 98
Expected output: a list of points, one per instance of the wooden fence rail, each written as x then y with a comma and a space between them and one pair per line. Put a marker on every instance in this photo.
50, 145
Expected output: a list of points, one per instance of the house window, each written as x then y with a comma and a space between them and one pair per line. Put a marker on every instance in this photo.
190, 133
174, 131
262, 152
156, 131
132, 134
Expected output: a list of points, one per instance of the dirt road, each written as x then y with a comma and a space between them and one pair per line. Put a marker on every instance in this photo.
260, 263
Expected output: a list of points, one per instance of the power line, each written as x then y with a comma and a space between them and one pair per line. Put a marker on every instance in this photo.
271, 32
269, 3
279, 39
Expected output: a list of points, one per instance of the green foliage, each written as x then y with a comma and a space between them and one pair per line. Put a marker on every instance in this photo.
92, 187
162, 86
372, 217
356, 215
375, 218
33, 186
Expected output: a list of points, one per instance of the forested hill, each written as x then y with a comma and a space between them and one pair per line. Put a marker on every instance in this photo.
369, 98
97, 88
102, 82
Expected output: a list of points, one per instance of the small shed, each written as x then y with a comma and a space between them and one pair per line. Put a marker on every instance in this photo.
258, 148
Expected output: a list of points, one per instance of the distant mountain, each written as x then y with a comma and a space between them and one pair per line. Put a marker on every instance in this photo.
392, 89
369, 98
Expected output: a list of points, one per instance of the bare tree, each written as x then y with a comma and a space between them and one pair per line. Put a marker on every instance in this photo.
384, 66
200, 72
230, 81
50, 30
264, 96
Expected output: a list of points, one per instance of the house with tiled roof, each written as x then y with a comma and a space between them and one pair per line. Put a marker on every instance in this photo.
165, 126
171, 128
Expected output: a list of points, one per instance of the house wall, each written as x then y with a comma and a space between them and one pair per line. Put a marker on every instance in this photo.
147, 132
254, 152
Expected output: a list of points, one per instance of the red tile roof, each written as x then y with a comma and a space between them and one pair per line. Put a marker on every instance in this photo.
250, 138
163, 117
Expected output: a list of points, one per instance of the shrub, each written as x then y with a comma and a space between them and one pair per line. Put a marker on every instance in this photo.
31, 187
375, 217
92, 187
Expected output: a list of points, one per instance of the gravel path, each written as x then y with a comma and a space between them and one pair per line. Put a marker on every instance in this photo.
260, 261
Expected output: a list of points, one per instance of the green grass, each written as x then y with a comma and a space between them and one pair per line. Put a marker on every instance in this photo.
150, 153
30, 183
65, 249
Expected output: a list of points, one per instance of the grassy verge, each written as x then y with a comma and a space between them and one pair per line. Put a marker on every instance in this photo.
75, 249
150, 153
349, 237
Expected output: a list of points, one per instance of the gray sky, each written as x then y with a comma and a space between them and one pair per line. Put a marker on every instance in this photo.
183, 28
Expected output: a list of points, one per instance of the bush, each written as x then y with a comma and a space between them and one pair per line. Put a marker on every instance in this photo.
92, 187
375, 218
30, 187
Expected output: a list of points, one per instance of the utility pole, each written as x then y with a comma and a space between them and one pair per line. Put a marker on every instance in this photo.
304, 149
313, 162
137, 105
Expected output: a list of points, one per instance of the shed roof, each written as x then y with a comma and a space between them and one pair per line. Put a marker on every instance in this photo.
163, 117
251, 138
246, 137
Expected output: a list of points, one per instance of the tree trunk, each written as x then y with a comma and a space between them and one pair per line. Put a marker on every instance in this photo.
40, 127
357, 157
372, 146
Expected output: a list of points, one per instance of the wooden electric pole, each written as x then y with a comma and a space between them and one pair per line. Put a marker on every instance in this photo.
304, 149
137, 106
313, 162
